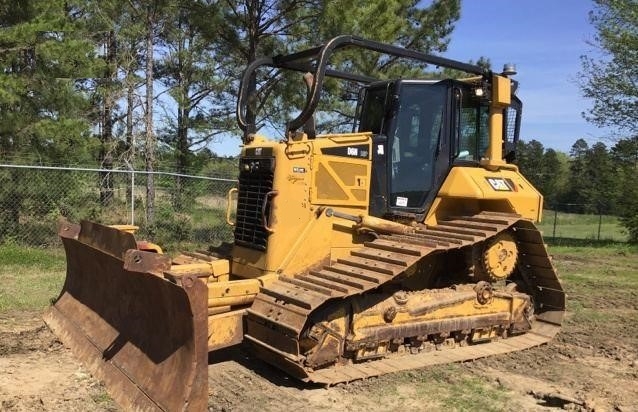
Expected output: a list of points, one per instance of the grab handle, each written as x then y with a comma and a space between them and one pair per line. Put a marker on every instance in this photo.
264, 220
228, 202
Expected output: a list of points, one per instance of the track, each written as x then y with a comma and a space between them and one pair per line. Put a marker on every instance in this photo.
280, 311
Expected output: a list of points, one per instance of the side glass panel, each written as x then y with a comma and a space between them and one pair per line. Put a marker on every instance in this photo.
373, 110
511, 126
414, 148
473, 132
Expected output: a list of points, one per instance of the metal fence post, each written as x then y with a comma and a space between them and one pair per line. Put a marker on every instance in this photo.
132, 196
132, 171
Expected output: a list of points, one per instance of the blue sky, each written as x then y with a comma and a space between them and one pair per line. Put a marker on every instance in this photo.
545, 39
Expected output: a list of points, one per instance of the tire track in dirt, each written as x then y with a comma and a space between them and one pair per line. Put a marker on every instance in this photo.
238, 381
26, 341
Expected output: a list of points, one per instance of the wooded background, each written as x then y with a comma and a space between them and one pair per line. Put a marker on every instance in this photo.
151, 85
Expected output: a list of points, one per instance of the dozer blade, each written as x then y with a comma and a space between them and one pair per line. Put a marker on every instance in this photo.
144, 336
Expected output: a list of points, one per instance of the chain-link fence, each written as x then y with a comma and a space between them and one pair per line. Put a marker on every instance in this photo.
187, 209
566, 221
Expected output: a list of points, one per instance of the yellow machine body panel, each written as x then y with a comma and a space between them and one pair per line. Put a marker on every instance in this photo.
470, 190
309, 175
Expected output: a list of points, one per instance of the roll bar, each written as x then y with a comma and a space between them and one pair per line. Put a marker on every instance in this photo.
303, 62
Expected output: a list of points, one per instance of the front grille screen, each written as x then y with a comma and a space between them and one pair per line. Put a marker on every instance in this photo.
255, 181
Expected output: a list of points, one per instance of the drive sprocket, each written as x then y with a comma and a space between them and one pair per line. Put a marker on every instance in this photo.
498, 259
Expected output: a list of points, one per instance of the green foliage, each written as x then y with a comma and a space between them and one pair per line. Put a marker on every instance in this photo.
42, 109
630, 222
32, 201
171, 226
188, 70
624, 155
268, 27
72, 75
594, 180
45, 117
220, 167
611, 81
71, 92
544, 168
593, 183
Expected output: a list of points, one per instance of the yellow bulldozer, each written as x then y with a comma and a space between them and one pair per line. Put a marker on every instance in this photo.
406, 243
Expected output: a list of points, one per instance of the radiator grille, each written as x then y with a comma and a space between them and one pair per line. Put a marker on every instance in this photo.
255, 181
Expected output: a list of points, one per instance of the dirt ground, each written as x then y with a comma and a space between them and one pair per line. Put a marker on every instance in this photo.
591, 366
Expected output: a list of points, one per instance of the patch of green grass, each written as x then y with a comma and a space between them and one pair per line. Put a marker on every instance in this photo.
601, 285
30, 277
474, 394
577, 226
445, 387
615, 262
102, 399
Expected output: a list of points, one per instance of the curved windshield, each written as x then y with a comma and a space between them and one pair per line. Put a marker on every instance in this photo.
414, 147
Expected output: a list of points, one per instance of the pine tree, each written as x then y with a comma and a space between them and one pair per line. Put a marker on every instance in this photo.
576, 196
253, 28
624, 156
542, 168
189, 71
44, 115
553, 176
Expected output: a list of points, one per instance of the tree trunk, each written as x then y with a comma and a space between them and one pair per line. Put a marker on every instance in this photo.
106, 157
150, 137
130, 144
182, 129
253, 41
182, 155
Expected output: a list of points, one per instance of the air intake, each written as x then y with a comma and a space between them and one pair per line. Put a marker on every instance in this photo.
255, 181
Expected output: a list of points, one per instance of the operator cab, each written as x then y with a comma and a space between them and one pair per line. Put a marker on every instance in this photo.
421, 129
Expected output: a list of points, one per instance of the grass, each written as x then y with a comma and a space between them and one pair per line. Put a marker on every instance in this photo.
576, 226
583, 266
30, 277
472, 393
602, 287
445, 387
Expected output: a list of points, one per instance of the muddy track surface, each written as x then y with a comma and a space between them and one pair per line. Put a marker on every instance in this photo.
592, 365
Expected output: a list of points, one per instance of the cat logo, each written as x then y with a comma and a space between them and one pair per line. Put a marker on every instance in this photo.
500, 184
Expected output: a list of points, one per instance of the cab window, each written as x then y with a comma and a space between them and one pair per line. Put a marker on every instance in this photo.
418, 130
473, 129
